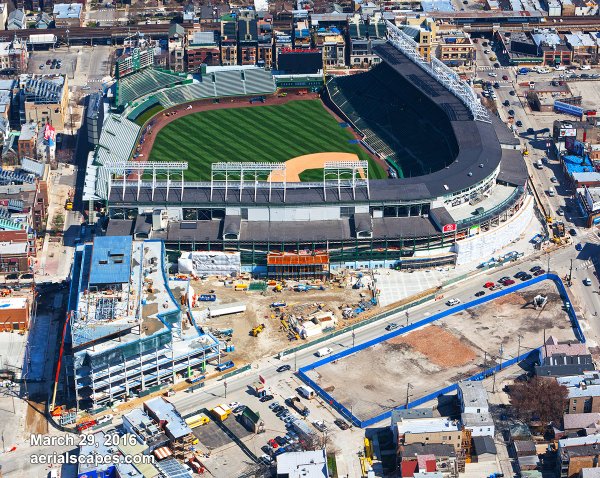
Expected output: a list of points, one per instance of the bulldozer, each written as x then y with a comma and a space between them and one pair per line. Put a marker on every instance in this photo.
257, 330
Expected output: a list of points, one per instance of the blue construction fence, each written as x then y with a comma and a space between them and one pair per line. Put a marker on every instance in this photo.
459, 308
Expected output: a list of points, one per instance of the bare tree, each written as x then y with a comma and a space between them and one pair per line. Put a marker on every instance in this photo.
540, 398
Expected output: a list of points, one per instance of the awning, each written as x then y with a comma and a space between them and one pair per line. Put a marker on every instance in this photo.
162, 453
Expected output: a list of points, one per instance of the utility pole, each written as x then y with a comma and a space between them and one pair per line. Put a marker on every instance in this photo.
519, 337
570, 273
407, 316
225, 385
494, 384
353, 338
501, 352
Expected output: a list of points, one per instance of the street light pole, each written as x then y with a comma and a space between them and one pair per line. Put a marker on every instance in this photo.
519, 347
225, 385
408, 387
407, 316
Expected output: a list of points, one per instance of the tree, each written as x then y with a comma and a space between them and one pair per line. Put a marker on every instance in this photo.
58, 222
540, 398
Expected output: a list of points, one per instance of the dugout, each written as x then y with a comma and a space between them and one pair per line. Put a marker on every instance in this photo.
297, 266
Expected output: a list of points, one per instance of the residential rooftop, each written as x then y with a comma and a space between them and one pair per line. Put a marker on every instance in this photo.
427, 425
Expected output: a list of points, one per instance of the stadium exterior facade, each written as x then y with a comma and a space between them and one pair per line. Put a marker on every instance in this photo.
472, 206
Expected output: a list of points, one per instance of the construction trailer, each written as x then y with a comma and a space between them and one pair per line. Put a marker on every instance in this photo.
282, 266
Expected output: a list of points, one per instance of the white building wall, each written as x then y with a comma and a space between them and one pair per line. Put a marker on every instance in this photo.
482, 246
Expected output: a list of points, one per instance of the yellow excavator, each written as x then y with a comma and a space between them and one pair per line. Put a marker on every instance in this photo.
257, 330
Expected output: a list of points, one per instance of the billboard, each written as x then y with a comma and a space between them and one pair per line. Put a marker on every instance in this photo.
562, 107
567, 132
50, 134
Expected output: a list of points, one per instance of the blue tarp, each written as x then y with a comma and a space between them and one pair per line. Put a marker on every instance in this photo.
111, 260
578, 164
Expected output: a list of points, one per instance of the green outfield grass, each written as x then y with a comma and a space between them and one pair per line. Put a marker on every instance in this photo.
264, 134
149, 113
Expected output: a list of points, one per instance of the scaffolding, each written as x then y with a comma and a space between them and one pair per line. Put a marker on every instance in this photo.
297, 266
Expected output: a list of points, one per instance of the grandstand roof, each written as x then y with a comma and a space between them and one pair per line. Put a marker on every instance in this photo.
117, 139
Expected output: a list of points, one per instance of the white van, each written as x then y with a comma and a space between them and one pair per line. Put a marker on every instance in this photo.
306, 392
324, 351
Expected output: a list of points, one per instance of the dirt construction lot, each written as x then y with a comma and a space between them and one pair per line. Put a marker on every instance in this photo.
274, 337
443, 353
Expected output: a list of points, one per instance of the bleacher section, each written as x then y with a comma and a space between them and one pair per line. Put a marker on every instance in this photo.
398, 121
227, 83
143, 83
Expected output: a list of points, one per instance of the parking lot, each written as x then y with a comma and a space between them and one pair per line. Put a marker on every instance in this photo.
589, 90
83, 65
443, 353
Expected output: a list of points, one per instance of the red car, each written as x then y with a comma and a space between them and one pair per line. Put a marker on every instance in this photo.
539, 273
273, 444
508, 282
85, 425
504, 77
487, 285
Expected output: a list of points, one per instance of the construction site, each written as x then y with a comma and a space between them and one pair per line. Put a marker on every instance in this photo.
413, 365
260, 318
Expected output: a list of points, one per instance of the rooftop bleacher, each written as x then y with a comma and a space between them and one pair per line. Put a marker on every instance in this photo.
143, 83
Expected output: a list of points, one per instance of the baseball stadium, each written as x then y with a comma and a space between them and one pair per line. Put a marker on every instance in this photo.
398, 166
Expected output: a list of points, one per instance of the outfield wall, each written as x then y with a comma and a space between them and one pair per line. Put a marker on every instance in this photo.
480, 376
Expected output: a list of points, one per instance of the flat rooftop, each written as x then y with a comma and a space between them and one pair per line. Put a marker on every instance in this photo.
427, 425
111, 260
499, 195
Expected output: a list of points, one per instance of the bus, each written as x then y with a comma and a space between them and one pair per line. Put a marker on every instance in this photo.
197, 420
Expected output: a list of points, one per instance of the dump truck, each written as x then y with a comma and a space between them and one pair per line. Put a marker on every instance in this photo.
221, 412
257, 330
297, 405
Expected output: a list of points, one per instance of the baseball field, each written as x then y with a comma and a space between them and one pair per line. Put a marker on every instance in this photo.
270, 133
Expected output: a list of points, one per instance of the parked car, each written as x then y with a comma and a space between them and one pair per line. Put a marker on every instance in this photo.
505, 77
526, 277
238, 410
266, 398
273, 405
320, 425
519, 123
342, 424
48, 62
392, 326
496, 85
234, 405
452, 302
502, 279
520, 274
511, 92
578, 246
573, 232
506, 103
508, 282
284, 368
511, 112
553, 179
539, 272
487, 285
280, 440
273, 444
535, 269
492, 74
479, 293
587, 281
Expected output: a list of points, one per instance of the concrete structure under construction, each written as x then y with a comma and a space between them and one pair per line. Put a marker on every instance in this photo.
127, 330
